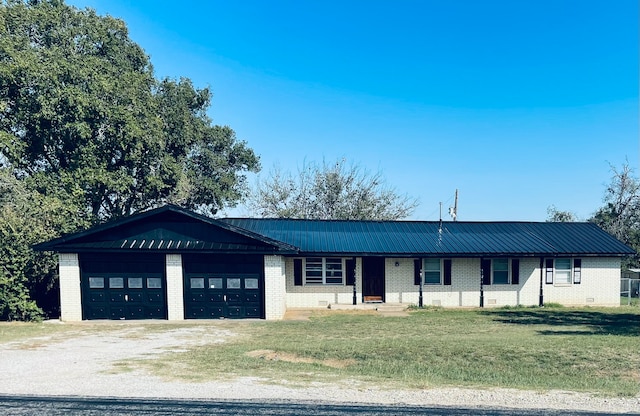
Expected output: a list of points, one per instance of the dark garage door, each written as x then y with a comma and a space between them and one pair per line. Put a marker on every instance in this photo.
123, 289
217, 296
125, 297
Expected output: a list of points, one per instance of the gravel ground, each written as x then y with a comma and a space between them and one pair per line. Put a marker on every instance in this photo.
84, 366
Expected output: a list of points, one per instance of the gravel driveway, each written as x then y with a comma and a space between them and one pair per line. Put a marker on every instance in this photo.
83, 365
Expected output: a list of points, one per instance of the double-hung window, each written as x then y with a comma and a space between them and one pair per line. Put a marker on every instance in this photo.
324, 271
432, 271
500, 270
563, 271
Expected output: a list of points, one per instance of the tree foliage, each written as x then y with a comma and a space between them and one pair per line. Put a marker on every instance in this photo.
87, 134
620, 216
26, 277
329, 191
82, 116
555, 215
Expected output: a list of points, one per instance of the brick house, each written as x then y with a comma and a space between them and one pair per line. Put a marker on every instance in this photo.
171, 263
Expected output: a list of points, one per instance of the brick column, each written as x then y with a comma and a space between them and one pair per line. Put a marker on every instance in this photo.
275, 287
175, 291
70, 293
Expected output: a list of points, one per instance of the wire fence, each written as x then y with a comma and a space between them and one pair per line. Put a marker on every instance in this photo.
629, 290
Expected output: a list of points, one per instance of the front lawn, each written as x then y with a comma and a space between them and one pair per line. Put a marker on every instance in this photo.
587, 349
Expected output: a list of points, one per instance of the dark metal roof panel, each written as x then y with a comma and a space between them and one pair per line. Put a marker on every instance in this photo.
435, 238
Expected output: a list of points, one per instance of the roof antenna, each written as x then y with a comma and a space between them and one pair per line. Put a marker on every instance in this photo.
453, 211
440, 225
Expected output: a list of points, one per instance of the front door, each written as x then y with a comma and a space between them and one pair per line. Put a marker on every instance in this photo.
373, 279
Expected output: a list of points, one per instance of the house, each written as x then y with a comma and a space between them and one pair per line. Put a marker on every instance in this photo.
171, 263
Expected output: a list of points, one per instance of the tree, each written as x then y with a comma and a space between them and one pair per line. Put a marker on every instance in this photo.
555, 215
88, 134
620, 216
83, 117
329, 191
27, 277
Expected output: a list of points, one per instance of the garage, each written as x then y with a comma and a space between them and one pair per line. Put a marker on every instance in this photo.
229, 286
123, 286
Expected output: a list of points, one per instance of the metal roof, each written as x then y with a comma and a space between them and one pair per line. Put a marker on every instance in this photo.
174, 229
167, 229
434, 238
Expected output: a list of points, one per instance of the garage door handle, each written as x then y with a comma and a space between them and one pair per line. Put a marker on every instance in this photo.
225, 297
126, 298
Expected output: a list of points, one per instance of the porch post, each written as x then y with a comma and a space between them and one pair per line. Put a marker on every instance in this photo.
481, 284
541, 299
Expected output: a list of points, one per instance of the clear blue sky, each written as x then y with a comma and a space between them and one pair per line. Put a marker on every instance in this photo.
518, 104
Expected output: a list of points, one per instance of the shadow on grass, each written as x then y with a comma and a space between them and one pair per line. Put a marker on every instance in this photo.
570, 322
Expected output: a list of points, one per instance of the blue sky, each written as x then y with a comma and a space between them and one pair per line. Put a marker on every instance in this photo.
519, 105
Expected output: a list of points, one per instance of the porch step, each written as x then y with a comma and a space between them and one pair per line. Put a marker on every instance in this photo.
380, 307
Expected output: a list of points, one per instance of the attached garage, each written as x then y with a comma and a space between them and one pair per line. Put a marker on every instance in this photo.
167, 263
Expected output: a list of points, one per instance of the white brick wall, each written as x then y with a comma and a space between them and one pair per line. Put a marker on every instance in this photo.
274, 287
600, 280
600, 285
70, 294
175, 287
319, 296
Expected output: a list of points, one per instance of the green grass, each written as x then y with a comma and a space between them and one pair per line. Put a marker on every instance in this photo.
624, 301
590, 349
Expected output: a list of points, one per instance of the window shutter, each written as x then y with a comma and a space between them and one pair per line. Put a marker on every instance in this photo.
515, 271
577, 271
350, 264
447, 272
549, 271
485, 264
297, 272
417, 271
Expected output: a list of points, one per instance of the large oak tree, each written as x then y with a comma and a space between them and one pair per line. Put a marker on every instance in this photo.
88, 133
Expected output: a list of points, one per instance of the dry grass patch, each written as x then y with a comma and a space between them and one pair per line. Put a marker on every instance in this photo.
271, 355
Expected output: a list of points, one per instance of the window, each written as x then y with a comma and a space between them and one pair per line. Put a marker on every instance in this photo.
154, 283
324, 271
563, 272
431, 271
96, 282
135, 283
197, 282
500, 271
215, 283
116, 283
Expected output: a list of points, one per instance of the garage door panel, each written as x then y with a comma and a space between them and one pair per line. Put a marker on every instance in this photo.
97, 297
235, 311
252, 311
116, 297
117, 312
198, 297
156, 312
216, 297
98, 312
251, 298
155, 297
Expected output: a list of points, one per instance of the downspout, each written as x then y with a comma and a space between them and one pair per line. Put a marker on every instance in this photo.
481, 284
541, 299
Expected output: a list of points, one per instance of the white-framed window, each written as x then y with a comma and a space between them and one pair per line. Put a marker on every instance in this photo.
562, 271
432, 269
324, 271
500, 271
